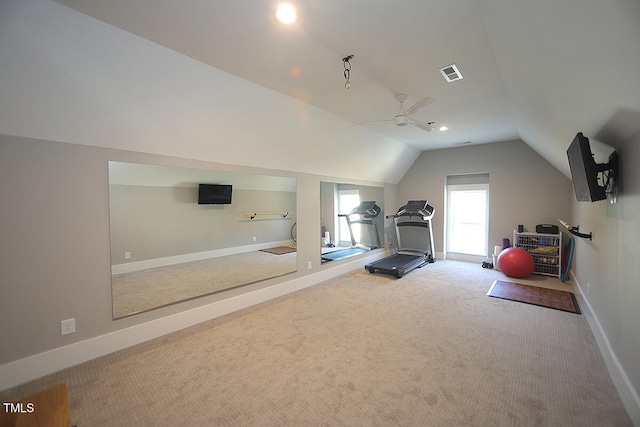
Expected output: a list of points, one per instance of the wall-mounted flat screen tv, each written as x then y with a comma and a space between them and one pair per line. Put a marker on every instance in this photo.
214, 194
584, 171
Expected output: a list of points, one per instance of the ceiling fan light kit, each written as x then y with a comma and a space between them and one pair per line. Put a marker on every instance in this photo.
404, 118
401, 120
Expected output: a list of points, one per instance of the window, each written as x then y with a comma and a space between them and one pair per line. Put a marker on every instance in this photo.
467, 214
347, 201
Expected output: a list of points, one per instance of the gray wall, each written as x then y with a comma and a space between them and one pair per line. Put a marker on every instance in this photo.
156, 222
55, 251
366, 193
524, 188
54, 228
607, 268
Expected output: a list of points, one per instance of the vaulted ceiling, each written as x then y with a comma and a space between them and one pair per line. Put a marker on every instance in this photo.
539, 71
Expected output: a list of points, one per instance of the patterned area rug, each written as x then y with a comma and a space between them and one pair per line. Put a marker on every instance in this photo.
543, 297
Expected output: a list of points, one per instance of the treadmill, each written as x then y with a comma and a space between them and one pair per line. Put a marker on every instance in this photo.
416, 213
365, 213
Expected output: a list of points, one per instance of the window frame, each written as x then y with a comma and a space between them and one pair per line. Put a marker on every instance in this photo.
450, 188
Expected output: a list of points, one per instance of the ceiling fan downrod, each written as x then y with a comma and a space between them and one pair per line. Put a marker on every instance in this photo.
346, 62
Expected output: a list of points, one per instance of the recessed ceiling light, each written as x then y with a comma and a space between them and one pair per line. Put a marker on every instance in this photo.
443, 128
286, 13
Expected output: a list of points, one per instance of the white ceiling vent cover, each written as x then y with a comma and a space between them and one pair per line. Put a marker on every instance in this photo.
451, 73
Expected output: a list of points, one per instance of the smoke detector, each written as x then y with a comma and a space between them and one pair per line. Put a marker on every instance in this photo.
451, 73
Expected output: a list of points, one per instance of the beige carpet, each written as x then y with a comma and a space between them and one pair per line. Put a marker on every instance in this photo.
156, 287
429, 349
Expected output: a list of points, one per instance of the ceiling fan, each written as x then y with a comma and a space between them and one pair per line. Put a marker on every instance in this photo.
404, 118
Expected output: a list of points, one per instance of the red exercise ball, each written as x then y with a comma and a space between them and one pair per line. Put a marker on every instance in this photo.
515, 262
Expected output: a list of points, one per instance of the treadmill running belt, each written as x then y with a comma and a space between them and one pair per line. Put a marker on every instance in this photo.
397, 261
341, 254
397, 264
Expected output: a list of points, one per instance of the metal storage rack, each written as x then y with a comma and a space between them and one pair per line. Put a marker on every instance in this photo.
545, 249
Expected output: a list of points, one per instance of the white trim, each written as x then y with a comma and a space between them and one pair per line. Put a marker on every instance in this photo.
620, 379
48, 362
130, 267
450, 188
465, 257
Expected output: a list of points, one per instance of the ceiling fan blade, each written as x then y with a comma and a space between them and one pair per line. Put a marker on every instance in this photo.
369, 123
424, 101
421, 125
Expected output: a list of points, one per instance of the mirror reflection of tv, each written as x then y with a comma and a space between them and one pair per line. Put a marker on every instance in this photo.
214, 194
585, 171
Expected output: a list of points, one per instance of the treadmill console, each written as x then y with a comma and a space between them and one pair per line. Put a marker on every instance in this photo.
416, 208
368, 209
408, 258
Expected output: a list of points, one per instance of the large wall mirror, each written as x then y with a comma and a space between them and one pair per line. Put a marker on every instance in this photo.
352, 220
166, 246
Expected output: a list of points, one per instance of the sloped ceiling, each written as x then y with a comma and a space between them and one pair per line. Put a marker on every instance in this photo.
539, 71
275, 97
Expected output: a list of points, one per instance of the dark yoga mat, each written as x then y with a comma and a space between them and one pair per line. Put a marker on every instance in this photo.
543, 297
279, 250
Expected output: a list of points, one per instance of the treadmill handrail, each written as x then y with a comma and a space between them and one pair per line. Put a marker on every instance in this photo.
364, 213
425, 210
367, 209
422, 213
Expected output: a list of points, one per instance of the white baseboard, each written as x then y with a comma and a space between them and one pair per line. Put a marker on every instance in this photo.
477, 259
620, 379
130, 267
36, 366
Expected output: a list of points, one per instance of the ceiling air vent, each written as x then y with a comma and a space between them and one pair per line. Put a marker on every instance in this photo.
451, 73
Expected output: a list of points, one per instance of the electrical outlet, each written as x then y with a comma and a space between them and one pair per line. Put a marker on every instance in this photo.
255, 238
127, 255
68, 326
588, 289
309, 265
